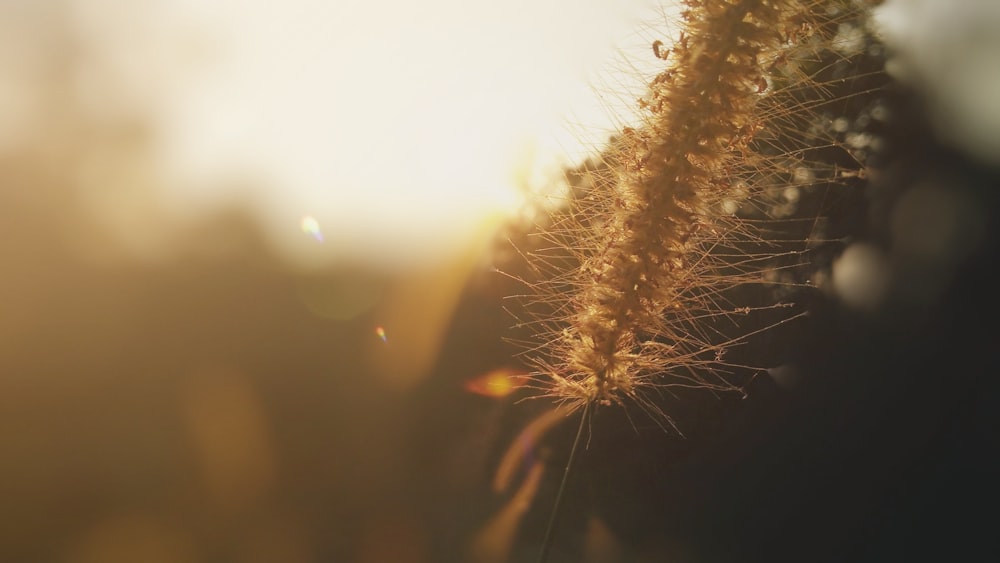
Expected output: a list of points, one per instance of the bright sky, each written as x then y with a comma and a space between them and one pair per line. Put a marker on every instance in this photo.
380, 129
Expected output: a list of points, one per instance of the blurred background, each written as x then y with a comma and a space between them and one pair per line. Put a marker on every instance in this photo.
234, 238
248, 309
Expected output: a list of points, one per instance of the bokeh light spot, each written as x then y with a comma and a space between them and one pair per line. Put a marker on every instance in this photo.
497, 383
310, 226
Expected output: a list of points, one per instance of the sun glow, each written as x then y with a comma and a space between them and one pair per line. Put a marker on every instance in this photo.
397, 126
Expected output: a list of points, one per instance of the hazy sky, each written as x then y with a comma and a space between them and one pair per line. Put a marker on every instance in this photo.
376, 128
383, 130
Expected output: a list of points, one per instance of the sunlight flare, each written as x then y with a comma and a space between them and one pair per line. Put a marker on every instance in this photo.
399, 127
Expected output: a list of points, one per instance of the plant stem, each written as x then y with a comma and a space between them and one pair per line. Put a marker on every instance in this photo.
547, 541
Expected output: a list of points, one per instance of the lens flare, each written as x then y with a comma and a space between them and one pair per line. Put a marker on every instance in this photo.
380, 332
497, 384
310, 226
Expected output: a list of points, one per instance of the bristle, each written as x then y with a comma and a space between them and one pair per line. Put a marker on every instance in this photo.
651, 236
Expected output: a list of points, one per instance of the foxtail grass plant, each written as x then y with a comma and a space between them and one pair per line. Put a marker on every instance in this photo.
637, 267
759, 104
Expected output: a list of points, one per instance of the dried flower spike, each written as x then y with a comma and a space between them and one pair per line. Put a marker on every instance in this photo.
644, 239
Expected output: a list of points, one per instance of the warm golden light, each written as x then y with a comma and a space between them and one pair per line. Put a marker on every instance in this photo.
497, 383
398, 127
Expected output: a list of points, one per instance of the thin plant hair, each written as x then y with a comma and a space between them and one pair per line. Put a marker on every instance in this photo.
634, 275
633, 281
